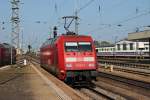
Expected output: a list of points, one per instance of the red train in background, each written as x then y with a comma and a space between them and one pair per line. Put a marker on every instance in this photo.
70, 57
5, 54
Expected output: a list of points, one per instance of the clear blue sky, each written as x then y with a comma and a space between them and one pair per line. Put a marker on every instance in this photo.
102, 19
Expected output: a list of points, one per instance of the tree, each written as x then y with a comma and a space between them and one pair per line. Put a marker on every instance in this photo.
105, 43
96, 43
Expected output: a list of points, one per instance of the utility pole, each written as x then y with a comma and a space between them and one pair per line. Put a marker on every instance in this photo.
76, 22
21, 41
15, 26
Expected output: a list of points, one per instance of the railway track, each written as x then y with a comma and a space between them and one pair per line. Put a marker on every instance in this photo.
137, 83
125, 63
126, 88
132, 70
94, 93
135, 60
114, 90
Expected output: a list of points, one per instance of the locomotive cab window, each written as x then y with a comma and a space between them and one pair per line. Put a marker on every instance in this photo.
85, 46
71, 46
78, 46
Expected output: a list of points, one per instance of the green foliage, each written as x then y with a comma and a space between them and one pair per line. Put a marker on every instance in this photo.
102, 43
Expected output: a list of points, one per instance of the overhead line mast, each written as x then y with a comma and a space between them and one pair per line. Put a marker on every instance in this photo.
78, 11
76, 22
67, 25
15, 25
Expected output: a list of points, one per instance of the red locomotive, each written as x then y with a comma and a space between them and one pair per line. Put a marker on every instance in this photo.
5, 54
71, 58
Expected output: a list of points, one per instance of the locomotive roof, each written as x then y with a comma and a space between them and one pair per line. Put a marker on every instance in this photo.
75, 36
52, 40
1, 45
49, 41
6, 45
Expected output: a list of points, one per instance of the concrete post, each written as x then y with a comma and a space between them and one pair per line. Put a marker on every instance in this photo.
111, 68
24, 62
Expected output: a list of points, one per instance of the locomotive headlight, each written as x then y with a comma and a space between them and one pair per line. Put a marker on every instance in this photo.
71, 59
88, 58
68, 65
91, 65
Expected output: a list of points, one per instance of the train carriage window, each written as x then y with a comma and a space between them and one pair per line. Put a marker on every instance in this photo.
85, 46
71, 46
113, 49
131, 46
124, 46
110, 49
146, 48
118, 46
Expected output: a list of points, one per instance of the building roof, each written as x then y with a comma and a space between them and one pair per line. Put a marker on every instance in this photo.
139, 35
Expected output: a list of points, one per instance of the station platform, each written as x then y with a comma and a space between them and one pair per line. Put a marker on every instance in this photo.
25, 83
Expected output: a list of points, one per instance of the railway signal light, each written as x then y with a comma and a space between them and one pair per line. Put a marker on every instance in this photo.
55, 31
29, 48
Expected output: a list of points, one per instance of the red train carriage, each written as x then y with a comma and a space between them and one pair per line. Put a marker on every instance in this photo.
5, 54
1, 54
72, 58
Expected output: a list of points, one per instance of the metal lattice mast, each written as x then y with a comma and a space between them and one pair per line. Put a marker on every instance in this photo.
76, 22
67, 25
15, 24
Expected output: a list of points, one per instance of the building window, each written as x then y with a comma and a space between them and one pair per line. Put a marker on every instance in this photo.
146, 48
131, 46
124, 46
113, 49
118, 46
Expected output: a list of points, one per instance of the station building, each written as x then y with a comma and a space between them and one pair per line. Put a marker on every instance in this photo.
143, 36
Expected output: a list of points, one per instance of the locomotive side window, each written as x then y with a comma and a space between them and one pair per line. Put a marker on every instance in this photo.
85, 46
71, 46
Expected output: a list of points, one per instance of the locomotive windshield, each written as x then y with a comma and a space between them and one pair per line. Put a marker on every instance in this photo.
84, 46
71, 46
78, 46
